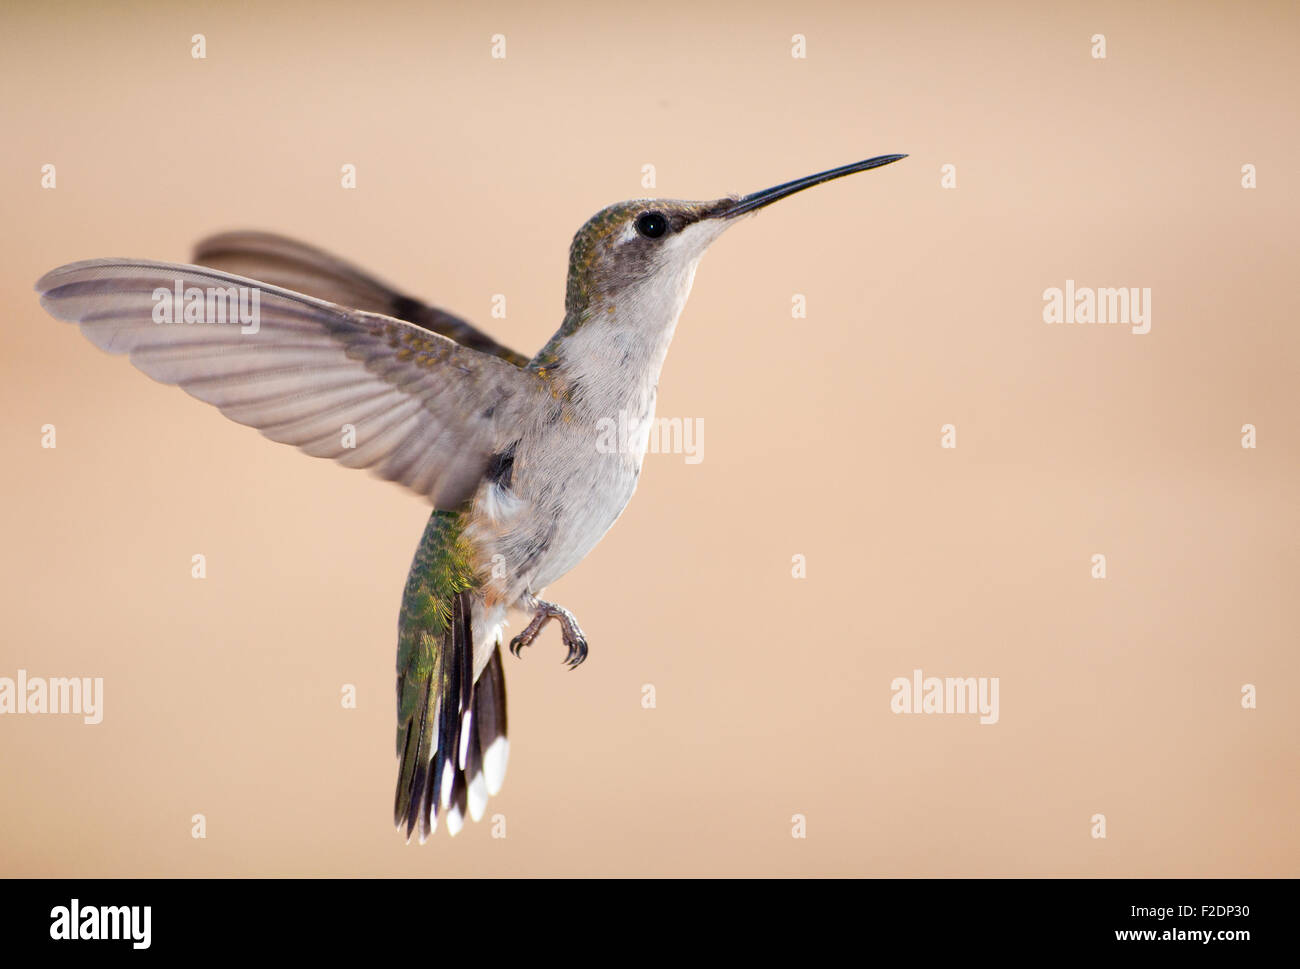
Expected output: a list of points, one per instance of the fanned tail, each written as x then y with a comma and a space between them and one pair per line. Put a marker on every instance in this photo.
451, 729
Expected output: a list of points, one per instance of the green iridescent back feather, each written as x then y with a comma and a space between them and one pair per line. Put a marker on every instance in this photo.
440, 571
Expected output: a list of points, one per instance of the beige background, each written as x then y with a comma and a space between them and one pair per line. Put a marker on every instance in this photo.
821, 438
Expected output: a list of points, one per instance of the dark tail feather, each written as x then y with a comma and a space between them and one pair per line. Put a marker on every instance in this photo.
488, 746
453, 745
413, 748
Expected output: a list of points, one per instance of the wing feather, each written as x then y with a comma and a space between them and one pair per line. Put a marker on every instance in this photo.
425, 410
306, 269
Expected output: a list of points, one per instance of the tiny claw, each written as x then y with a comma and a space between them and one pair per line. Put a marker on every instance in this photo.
528, 634
570, 631
577, 652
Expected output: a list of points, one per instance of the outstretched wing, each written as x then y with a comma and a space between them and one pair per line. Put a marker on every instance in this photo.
295, 265
422, 410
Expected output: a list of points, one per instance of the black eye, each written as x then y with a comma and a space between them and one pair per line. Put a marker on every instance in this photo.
652, 225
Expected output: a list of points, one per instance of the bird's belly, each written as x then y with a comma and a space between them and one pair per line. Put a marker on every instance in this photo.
591, 505
567, 485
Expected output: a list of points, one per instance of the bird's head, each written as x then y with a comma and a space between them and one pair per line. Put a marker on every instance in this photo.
646, 250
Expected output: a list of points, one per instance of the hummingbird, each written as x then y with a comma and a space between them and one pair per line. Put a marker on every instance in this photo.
509, 450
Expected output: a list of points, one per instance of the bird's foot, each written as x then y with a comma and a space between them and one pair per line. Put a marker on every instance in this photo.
570, 631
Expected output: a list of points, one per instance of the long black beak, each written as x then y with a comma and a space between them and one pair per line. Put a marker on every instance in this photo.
769, 195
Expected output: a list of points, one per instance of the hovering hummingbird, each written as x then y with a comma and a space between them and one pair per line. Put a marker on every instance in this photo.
306, 348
